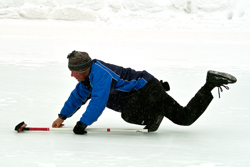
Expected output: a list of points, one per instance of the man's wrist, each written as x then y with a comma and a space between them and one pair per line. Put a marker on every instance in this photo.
62, 116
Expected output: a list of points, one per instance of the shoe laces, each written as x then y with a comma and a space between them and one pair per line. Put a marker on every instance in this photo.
221, 90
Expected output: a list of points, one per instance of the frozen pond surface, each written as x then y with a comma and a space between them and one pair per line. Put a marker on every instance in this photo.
35, 83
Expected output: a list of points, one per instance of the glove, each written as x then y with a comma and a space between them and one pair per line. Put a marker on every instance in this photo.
80, 128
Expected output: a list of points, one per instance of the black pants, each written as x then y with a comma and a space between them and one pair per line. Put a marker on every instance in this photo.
147, 103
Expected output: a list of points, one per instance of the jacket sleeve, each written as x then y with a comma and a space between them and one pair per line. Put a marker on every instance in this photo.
74, 102
101, 83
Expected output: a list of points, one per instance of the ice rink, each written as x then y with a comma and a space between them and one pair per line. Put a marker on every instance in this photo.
35, 83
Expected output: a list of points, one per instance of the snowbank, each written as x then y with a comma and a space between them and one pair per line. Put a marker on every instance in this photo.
157, 13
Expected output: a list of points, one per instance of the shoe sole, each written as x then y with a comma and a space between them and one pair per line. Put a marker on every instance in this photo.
226, 76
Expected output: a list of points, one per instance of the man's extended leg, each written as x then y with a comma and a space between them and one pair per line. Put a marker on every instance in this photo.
198, 104
187, 115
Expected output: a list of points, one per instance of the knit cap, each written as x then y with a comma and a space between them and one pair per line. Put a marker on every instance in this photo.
79, 61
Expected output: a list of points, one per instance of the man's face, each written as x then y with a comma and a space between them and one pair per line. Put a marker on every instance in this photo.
79, 76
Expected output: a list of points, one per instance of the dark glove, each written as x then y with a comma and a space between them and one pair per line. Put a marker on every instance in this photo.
80, 128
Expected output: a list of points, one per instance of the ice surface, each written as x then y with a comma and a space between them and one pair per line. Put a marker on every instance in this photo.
35, 83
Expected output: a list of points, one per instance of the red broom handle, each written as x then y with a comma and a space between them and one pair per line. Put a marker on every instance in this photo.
88, 129
39, 129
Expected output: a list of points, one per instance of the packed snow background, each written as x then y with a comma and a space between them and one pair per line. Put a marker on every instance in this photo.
132, 13
175, 40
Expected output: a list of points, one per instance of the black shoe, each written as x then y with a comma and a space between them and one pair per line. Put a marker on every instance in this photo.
219, 79
154, 125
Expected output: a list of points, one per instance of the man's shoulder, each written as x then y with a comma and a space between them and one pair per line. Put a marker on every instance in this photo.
103, 66
98, 70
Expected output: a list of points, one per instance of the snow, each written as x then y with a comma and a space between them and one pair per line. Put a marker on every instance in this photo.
177, 41
159, 14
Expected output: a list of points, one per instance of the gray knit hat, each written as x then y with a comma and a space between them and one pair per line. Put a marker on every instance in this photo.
79, 61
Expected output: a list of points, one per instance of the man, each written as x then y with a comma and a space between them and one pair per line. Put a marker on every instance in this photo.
137, 95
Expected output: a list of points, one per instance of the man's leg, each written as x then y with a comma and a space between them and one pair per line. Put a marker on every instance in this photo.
151, 103
189, 114
144, 107
198, 104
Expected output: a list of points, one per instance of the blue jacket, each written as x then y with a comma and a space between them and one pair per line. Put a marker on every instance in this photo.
105, 86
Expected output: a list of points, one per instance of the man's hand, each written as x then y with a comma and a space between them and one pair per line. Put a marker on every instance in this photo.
58, 123
80, 128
